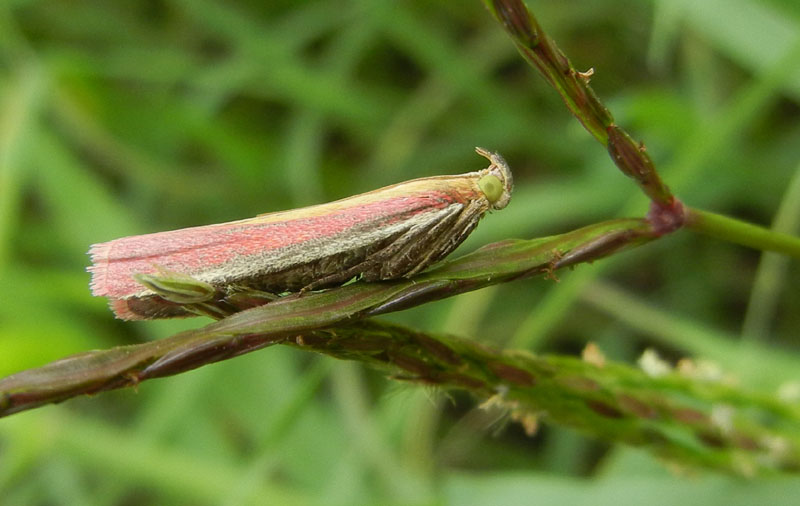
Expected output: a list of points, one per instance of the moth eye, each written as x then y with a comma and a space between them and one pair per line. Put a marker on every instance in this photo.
492, 187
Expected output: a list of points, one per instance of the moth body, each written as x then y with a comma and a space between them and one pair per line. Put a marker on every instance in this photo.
388, 233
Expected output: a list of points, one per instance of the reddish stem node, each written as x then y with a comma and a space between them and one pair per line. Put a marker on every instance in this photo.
666, 218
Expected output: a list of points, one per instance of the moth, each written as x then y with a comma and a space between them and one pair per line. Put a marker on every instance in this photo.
392, 232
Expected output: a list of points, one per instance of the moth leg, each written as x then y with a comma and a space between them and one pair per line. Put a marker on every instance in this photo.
208, 309
176, 287
242, 297
193, 296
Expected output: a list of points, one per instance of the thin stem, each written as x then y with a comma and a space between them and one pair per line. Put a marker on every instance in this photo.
541, 52
538, 49
739, 232
686, 419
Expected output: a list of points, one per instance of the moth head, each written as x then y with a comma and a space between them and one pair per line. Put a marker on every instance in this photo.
496, 181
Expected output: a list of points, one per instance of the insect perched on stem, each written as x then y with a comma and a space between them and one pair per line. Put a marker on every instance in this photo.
392, 232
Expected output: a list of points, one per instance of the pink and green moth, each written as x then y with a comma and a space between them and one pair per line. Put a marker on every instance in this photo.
392, 232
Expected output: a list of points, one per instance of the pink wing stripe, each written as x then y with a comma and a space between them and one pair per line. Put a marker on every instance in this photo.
194, 249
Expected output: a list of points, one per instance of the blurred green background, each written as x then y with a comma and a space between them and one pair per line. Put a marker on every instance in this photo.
129, 117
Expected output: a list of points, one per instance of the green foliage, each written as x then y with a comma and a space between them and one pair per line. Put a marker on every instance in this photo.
128, 117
